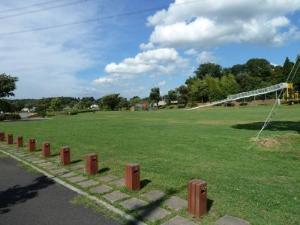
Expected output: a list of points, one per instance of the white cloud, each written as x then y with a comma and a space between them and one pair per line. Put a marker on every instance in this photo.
160, 61
49, 63
191, 52
161, 83
208, 23
206, 57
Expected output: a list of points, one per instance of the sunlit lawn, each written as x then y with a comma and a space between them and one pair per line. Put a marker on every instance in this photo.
261, 185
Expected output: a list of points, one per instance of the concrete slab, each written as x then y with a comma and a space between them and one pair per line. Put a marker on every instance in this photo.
178, 220
102, 189
59, 172
70, 174
133, 204
77, 179
118, 183
154, 195
88, 183
156, 214
230, 220
115, 196
176, 203
107, 178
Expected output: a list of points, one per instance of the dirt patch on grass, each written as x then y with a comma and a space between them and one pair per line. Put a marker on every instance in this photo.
278, 143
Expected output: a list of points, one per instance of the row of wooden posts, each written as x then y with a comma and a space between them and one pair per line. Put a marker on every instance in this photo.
197, 189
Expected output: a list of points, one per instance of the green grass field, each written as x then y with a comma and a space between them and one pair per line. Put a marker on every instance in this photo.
259, 184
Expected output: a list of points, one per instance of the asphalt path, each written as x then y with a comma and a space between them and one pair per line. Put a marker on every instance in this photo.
28, 198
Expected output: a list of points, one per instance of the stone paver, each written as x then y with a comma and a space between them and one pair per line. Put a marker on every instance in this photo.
154, 195
78, 166
88, 183
115, 196
156, 214
118, 183
59, 172
70, 174
176, 203
133, 204
102, 189
107, 178
77, 179
46, 164
178, 220
230, 220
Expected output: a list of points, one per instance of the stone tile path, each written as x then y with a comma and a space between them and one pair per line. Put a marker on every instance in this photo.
175, 203
115, 196
230, 220
154, 195
133, 204
178, 220
88, 183
118, 183
77, 179
102, 189
107, 178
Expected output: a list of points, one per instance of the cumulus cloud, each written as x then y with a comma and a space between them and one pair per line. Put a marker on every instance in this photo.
206, 57
208, 23
49, 63
158, 61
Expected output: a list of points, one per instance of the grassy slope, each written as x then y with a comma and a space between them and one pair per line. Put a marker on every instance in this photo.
259, 185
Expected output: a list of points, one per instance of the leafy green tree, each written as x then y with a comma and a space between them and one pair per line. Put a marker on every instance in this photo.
135, 100
260, 68
172, 95
155, 95
7, 85
208, 69
229, 85
287, 67
110, 102
183, 97
123, 104
215, 91
56, 104
199, 90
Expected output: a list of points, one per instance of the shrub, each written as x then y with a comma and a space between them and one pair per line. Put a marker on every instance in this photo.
11, 116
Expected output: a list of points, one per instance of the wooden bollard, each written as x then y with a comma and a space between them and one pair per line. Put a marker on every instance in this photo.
197, 198
132, 176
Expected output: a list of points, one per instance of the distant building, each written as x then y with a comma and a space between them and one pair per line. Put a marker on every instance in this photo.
25, 110
94, 106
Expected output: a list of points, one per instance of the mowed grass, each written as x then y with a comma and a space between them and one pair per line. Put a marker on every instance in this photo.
261, 185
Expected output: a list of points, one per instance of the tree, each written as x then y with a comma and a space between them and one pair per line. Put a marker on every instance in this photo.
172, 96
155, 95
110, 102
56, 104
183, 95
215, 91
287, 67
135, 100
208, 69
7, 85
229, 85
259, 68
199, 90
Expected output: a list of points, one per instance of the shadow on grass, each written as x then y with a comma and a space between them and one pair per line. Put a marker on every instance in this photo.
145, 182
76, 161
55, 155
273, 126
20, 194
103, 170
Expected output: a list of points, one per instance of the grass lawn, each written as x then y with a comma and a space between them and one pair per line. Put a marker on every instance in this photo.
259, 184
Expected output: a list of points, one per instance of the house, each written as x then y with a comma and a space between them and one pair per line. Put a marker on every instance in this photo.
94, 106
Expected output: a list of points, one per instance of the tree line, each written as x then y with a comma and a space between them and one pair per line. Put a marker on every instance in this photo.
209, 82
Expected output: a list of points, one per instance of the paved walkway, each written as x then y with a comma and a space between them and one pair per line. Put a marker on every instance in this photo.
31, 198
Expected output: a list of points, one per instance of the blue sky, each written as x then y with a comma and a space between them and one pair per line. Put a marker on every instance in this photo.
133, 53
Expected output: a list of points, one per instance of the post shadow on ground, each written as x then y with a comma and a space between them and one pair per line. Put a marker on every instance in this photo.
76, 161
54, 155
20, 194
145, 182
273, 126
103, 170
